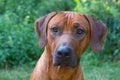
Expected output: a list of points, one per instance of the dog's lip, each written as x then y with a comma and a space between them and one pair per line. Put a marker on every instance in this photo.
60, 64
63, 64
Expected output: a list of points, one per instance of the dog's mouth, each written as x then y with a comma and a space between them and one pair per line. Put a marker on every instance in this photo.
65, 62
60, 64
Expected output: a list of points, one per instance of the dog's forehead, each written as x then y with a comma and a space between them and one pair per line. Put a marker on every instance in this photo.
70, 14
69, 18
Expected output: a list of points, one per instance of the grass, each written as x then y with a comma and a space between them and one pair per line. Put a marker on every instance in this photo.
17, 73
102, 71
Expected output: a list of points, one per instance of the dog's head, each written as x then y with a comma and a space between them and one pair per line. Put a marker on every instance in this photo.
67, 34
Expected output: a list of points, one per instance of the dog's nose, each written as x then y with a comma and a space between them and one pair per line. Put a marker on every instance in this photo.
64, 52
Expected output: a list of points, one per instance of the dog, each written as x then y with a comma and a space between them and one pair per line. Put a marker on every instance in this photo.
65, 36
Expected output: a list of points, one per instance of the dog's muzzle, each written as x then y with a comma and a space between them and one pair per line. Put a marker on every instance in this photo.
65, 56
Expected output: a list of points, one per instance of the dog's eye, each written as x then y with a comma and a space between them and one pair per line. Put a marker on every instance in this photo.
79, 31
55, 29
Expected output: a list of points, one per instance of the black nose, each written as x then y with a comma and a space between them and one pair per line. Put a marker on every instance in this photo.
64, 52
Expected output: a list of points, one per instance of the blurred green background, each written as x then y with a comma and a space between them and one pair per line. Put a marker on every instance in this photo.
19, 49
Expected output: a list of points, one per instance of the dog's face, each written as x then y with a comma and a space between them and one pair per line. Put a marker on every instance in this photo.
67, 35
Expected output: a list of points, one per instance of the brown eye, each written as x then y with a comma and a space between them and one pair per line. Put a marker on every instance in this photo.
79, 31
55, 29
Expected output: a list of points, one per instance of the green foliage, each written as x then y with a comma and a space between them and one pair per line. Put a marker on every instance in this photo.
109, 12
18, 40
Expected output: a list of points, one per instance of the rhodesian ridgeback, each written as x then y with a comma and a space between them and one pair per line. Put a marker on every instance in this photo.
65, 36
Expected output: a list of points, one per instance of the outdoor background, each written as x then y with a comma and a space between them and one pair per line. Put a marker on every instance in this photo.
19, 49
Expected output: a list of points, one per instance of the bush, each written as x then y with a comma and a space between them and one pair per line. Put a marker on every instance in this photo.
18, 40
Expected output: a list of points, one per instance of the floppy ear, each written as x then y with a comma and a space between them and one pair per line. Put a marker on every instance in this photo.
41, 26
98, 33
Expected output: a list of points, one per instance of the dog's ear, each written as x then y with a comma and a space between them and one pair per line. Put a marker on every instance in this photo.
98, 32
41, 26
